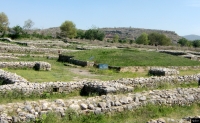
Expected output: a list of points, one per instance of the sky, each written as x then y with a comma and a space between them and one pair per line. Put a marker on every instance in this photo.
181, 16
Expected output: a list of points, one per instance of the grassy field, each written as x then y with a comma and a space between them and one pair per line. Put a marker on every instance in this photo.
132, 57
115, 57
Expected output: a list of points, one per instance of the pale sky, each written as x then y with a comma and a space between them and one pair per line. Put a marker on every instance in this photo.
181, 16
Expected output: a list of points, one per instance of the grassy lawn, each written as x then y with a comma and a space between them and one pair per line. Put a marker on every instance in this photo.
132, 57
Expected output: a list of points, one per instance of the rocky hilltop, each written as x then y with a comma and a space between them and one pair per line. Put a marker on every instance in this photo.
123, 32
133, 33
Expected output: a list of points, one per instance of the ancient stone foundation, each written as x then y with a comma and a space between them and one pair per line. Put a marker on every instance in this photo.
38, 65
158, 71
30, 110
69, 59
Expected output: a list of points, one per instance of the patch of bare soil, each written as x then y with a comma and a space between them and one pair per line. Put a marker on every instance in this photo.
83, 72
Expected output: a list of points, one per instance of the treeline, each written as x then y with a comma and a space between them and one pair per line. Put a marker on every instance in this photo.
153, 39
187, 43
68, 29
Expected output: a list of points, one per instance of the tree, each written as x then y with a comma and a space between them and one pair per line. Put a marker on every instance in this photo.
17, 32
3, 23
196, 43
158, 39
28, 24
143, 39
93, 34
116, 38
80, 34
183, 42
68, 29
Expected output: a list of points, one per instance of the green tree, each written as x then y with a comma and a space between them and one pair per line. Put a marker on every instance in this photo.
196, 43
143, 39
3, 23
68, 29
183, 42
93, 34
116, 38
158, 39
17, 32
80, 34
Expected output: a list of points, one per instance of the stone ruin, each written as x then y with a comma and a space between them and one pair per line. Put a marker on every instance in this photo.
158, 71
30, 110
37, 65
108, 102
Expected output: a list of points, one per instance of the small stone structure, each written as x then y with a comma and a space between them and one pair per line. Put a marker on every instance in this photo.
69, 59
37, 65
158, 71
104, 88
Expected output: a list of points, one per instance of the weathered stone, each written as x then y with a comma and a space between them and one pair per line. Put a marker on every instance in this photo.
15, 119
74, 106
102, 105
97, 111
117, 103
83, 106
143, 98
90, 106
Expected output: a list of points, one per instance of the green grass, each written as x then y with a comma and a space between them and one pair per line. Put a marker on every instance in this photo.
132, 57
18, 96
60, 72
166, 85
140, 115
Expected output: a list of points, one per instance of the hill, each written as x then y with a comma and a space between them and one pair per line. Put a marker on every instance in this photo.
133, 33
192, 37
123, 32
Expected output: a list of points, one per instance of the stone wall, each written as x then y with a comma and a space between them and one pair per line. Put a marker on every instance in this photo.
69, 59
98, 87
30, 110
38, 65
147, 68
109, 103
10, 78
159, 71
19, 49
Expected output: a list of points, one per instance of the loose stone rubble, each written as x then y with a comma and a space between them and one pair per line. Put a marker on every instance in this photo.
30, 110
38, 65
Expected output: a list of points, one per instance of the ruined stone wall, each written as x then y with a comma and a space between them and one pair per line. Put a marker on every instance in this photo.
100, 87
159, 71
38, 65
147, 68
10, 78
30, 110
98, 104
69, 59
19, 49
